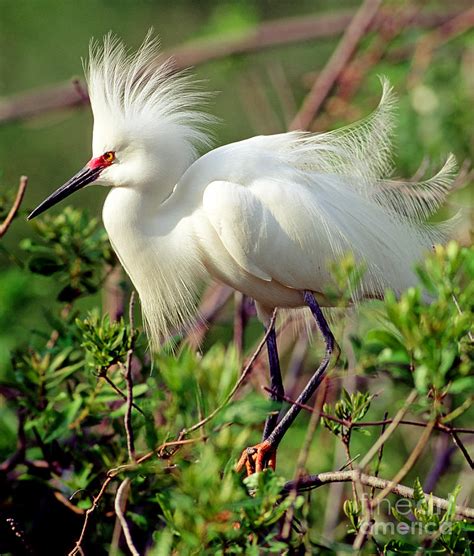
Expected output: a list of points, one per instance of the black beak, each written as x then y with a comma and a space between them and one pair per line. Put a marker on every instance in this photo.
81, 179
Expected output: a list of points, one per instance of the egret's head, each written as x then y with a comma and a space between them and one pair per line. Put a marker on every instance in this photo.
146, 123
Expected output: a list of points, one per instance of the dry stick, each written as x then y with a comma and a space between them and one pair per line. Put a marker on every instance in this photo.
420, 445
119, 392
238, 384
124, 488
379, 455
315, 481
391, 27
390, 429
15, 207
456, 26
366, 532
120, 502
335, 65
303, 456
438, 426
77, 548
461, 446
266, 35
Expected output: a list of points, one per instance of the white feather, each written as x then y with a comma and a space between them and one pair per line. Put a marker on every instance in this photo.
267, 215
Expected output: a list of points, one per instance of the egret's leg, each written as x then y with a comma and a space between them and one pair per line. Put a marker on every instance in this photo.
255, 458
276, 382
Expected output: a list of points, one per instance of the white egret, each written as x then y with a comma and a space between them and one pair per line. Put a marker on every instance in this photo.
265, 215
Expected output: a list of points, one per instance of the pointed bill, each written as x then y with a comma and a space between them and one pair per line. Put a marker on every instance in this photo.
81, 179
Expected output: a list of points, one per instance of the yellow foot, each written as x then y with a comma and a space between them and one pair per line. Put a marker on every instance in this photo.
257, 458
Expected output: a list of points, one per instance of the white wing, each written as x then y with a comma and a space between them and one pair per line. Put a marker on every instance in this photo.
293, 203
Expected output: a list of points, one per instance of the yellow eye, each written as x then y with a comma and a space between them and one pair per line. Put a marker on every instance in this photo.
109, 157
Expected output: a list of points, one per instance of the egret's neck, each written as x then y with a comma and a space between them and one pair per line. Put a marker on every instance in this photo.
166, 162
156, 248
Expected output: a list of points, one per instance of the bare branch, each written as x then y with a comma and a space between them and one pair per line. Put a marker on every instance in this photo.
15, 207
315, 481
77, 548
120, 502
336, 64
461, 446
389, 431
440, 426
238, 384
410, 462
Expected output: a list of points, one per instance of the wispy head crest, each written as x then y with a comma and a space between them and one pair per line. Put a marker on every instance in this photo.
140, 91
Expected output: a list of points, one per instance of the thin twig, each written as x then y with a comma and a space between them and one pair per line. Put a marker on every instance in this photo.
119, 392
15, 207
129, 381
112, 473
410, 462
439, 426
459, 24
120, 503
237, 385
379, 455
336, 64
461, 446
77, 548
390, 429
311, 482
303, 457
365, 532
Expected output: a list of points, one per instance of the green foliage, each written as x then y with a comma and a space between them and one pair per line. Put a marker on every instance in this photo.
427, 344
351, 408
438, 532
346, 276
106, 342
72, 247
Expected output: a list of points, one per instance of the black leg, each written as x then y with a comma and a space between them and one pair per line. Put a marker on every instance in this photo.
331, 349
276, 383
257, 457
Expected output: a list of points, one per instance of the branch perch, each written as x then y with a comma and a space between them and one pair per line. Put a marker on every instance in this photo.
310, 482
15, 207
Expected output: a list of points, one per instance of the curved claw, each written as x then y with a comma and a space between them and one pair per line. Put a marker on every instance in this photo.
256, 458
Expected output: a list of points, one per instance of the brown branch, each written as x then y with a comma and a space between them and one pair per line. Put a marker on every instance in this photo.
461, 446
311, 482
447, 31
336, 64
393, 26
439, 426
303, 457
68, 95
15, 207
389, 431
119, 392
410, 462
77, 548
237, 385
120, 503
